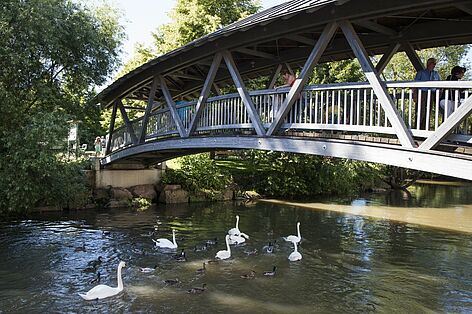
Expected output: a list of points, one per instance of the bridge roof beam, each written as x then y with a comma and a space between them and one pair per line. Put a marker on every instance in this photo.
270, 84
299, 83
243, 93
461, 113
379, 87
387, 56
205, 92
413, 56
128, 124
152, 93
172, 107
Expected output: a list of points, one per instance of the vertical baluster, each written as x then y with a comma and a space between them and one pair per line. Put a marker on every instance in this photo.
378, 112
358, 107
418, 114
428, 108
371, 108
410, 105
351, 110
321, 106
402, 104
345, 107
436, 111
310, 103
339, 108
333, 104
466, 124
446, 104
327, 107
316, 106
364, 118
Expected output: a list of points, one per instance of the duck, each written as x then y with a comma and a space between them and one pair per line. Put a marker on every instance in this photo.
292, 238
200, 248
197, 290
80, 248
171, 282
224, 254
235, 230
251, 275
164, 243
295, 255
270, 273
212, 242
269, 248
201, 270
147, 269
104, 291
181, 257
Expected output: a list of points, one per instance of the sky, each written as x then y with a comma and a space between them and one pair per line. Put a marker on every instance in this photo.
142, 17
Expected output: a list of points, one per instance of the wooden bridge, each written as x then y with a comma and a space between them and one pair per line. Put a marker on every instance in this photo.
375, 121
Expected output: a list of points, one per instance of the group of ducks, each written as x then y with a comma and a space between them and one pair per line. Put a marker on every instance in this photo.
234, 236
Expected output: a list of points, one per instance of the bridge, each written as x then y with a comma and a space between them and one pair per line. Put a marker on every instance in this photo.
196, 99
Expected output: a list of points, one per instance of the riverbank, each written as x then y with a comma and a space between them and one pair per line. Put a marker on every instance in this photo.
456, 218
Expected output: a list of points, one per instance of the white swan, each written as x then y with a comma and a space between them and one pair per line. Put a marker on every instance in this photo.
292, 238
164, 243
104, 291
295, 255
236, 239
235, 231
224, 254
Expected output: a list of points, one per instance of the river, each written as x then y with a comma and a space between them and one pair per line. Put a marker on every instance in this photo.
351, 263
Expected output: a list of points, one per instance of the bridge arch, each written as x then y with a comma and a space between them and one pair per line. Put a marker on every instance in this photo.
373, 121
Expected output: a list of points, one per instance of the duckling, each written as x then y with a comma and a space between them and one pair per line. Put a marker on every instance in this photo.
251, 275
201, 270
253, 252
147, 269
197, 290
270, 273
96, 279
95, 263
80, 248
180, 257
171, 282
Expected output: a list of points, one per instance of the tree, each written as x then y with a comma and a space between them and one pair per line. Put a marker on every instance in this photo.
52, 55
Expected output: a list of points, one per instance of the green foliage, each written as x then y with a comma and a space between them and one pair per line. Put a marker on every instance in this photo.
53, 53
291, 175
140, 203
31, 170
198, 173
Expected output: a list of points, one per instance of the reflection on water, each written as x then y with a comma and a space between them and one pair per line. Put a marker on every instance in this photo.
350, 263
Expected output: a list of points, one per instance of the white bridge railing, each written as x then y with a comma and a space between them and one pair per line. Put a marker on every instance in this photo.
347, 107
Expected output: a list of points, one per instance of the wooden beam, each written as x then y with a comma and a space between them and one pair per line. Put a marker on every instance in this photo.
204, 94
301, 39
461, 113
186, 76
152, 94
299, 83
128, 124
413, 56
379, 88
387, 56
111, 128
172, 108
289, 68
271, 83
376, 27
217, 89
243, 93
256, 53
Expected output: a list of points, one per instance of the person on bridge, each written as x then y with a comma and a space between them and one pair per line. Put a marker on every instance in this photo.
428, 74
288, 77
449, 104
98, 146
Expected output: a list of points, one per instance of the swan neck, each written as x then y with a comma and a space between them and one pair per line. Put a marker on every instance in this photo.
120, 281
173, 237
237, 222
296, 249
298, 230
227, 244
